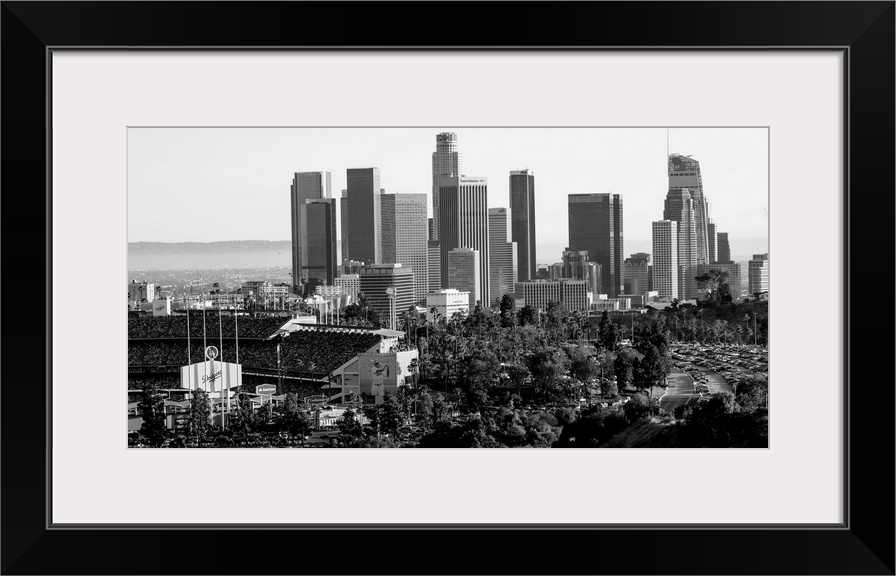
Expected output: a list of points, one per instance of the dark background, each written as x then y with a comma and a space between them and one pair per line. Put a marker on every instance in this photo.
864, 546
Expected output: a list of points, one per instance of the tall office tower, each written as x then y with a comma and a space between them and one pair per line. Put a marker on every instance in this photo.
665, 258
445, 162
712, 244
679, 207
387, 223
305, 186
434, 265
757, 280
502, 256
464, 273
684, 173
723, 247
318, 225
429, 230
575, 264
595, 225
343, 225
594, 278
364, 218
404, 237
522, 217
463, 223
636, 272
375, 279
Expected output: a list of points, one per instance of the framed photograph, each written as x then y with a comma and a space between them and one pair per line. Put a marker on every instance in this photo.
312, 235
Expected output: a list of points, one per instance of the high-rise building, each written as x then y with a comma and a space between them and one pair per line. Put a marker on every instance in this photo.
405, 237
684, 174
364, 219
732, 269
464, 273
376, 279
679, 208
595, 226
572, 295
522, 216
447, 303
343, 225
723, 247
502, 256
430, 230
575, 264
712, 243
757, 281
141, 291
594, 278
351, 285
305, 186
318, 239
665, 258
636, 274
463, 223
445, 162
434, 265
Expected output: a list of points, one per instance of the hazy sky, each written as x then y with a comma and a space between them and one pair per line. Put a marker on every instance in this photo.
209, 184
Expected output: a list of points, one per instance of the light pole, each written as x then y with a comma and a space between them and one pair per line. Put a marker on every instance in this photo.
390, 292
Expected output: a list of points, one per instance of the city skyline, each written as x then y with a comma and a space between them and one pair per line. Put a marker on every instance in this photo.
234, 175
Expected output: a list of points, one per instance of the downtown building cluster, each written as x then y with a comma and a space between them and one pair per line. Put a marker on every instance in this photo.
391, 254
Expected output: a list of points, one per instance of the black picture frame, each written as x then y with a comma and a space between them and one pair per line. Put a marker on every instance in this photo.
864, 544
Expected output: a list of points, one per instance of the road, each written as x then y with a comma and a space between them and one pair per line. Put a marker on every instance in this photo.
680, 391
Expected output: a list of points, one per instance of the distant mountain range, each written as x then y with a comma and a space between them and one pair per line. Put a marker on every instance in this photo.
230, 254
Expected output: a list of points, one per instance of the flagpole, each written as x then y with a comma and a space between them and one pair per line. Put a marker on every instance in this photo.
221, 352
204, 346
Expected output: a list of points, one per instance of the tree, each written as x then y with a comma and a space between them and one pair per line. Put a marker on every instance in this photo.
608, 335
622, 368
390, 416
715, 282
507, 307
152, 408
527, 316
294, 419
349, 427
637, 407
200, 412
650, 370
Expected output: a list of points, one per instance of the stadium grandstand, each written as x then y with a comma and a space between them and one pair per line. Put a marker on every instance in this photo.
157, 349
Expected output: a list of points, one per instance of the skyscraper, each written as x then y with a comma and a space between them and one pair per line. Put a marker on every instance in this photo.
665, 258
376, 279
463, 223
364, 218
522, 216
405, 237
679, 208
305, 186
502, 256
723, 247
637, 274
434, 265
318, 224
684, 174
445, 162
595, 226
757, 280
713, 248
464, 273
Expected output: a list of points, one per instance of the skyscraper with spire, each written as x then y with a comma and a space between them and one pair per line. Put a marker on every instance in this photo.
445, 162
679, 208
684, 174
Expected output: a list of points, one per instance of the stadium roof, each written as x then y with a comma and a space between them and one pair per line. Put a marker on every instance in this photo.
388, 333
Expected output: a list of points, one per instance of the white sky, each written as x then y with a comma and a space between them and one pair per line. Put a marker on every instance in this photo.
210, 184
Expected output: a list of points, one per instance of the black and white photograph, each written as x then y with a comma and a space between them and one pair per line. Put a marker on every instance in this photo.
448, 287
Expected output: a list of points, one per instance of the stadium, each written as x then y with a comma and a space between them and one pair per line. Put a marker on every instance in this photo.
313, 360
